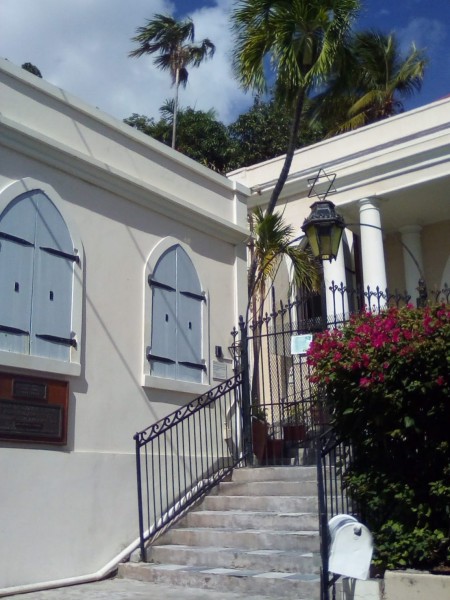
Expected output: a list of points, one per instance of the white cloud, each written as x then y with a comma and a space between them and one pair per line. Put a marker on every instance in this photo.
82, 46
424, 33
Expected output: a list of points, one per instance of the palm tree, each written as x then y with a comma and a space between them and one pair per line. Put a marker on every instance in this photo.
371, 80
270, 244
298, 41
173, 41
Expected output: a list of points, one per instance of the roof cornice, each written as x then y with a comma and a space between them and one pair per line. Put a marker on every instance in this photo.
55, 154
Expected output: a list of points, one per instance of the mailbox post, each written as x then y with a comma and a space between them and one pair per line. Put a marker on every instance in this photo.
351, 547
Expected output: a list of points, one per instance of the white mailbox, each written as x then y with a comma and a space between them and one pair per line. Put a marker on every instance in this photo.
351, 547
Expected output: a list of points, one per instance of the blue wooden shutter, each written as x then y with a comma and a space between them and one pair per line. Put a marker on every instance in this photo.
17, 233
162, 351
189, 313
52, 283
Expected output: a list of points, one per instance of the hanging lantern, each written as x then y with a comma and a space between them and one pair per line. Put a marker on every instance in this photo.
324, 228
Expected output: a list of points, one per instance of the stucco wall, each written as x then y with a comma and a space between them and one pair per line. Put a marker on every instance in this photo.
67, 511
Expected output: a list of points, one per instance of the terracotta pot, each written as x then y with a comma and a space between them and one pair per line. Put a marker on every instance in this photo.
260, 431
275, 452
294, 433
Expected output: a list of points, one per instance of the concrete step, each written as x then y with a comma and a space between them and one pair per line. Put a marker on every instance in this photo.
246, 519
268, 488
270, 584
294, 504
132, 589
253, 539
236, 558
287, 473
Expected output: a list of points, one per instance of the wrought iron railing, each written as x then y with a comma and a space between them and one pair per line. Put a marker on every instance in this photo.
334, 457
181, 457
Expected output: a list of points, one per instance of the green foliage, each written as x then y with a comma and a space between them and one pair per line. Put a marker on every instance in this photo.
199, 135
387, 379
293, 42
259, 134
262, 133
295, 415
203, 138
293, 45
372, 77
271, 243
172, 42
32, 69
259, 413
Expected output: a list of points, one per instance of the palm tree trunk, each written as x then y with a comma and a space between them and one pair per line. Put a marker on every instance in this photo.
175, 107
280, 183
289, 152
257, 333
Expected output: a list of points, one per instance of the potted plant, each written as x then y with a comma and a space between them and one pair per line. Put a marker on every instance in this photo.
294, 425
260, 431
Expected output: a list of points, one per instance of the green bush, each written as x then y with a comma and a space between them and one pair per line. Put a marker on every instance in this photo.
387, 382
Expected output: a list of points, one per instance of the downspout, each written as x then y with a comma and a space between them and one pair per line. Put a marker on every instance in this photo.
102, 573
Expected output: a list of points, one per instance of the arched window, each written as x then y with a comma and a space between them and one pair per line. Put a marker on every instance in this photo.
37, 263
175, 349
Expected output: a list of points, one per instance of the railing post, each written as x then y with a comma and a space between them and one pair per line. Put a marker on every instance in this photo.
139, 494
246, 400
323, 523
323, 302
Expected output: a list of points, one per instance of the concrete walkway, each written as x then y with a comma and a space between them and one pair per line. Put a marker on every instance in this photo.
125, 589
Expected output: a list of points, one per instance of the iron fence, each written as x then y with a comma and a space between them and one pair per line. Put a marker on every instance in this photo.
181, 457
334, 458
281, 393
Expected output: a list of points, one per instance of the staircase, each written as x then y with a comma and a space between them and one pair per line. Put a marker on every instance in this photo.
256, 535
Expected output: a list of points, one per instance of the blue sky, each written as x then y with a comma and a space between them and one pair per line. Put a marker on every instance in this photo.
427, 24
82, 47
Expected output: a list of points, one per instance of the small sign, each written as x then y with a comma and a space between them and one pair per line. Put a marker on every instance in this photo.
29, 390
301, 343
219, 370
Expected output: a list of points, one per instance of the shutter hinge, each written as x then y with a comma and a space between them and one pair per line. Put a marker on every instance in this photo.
57, 339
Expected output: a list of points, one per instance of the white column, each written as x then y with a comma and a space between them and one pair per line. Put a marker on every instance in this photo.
335, 271
372, 251
412, 258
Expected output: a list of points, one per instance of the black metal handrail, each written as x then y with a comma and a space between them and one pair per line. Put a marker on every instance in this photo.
185, 454
334, 457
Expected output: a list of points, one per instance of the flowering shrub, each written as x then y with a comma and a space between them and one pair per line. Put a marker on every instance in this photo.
387, 381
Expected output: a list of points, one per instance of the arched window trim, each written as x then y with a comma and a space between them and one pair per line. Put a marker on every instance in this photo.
152, 381
33, 362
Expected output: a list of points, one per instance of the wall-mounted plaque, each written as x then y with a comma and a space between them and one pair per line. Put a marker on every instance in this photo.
31, 390
33, 409
219, 370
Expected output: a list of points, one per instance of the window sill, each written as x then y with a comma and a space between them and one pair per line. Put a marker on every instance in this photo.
39, 364
175, 385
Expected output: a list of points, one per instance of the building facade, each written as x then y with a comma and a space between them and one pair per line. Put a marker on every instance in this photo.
392, 182
123, 269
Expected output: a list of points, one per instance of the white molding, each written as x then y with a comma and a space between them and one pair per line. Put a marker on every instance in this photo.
66, 99
175, 385
47, 150
39, 364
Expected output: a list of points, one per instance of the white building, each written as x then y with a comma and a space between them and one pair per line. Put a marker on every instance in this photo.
393, 176
122, 268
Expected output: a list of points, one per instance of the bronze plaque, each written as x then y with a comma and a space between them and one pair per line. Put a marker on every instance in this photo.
30, 390
19, 419
33, 409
